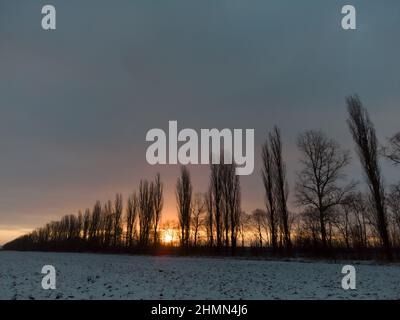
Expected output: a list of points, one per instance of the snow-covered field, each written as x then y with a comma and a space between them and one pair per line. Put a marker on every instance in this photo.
95, 276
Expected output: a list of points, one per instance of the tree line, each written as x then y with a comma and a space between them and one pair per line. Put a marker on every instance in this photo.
332, 211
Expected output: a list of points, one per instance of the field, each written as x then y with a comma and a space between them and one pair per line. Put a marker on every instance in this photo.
95, 276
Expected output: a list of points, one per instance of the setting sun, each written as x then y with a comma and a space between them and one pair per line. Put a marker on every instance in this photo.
168, 237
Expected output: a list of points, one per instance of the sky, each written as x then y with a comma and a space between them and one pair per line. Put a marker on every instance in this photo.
76, 103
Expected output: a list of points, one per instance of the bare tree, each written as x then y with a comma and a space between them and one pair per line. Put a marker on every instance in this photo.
352, 220
268, 180
364, 136
231, 201
359, 231
392, 151
79, 226
225, 205
208, 200
235, 210
117, 221
216, 187
184, 201
95, 224
107, 224
72, 227
244, 224
341, 221
131, 215
394, 206
318, 182
145, 206
280, 185
86, 223
198, 209
310, 225
158, 205
257, 219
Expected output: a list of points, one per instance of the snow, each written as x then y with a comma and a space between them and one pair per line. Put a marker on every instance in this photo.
98, 276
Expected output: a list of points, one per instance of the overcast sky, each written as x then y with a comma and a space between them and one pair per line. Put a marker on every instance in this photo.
76, 103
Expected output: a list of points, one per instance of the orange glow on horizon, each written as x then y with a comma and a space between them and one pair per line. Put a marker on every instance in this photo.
8, 234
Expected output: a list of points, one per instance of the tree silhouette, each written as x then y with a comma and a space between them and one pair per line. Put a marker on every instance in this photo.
394, 206
392, 151
198, 209
216, 190
209, 223
86, 224
158, 205
258, 219
146, 207
131, 216
280, 185
318, 182
94, 231
231, 200
364, 136
345, 222
270, 199
117, 220
107, 224
184, 201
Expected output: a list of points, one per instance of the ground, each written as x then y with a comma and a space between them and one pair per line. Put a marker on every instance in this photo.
97, 276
